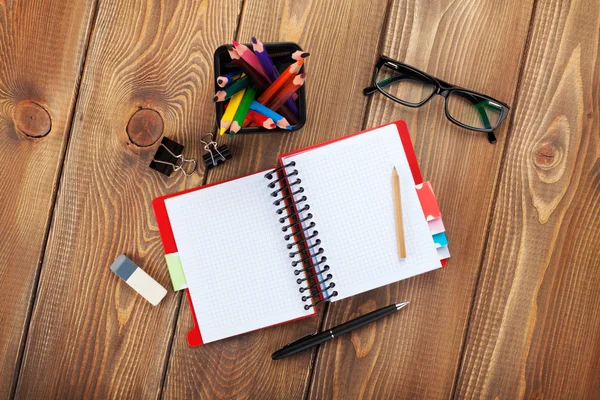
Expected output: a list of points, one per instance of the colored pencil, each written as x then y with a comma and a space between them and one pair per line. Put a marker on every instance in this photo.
286, 92
223, 80
259, 120
229, 113
398, 213
247, 55
265, 59
232, 89
242, 111
276, 86
271, 70
262, 85
298, 54
266, 111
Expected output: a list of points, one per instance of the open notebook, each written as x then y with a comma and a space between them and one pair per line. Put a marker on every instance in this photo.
266, 248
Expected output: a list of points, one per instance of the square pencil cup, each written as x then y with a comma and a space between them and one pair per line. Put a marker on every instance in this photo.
281, 55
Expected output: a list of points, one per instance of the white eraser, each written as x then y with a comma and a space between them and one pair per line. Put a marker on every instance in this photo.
138, 279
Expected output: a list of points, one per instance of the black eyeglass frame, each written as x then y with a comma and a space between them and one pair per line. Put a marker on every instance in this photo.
442, 88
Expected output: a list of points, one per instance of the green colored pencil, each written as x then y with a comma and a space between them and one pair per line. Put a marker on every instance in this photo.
242, 111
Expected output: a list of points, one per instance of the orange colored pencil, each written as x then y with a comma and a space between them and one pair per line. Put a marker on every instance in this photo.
286, 92
276, 86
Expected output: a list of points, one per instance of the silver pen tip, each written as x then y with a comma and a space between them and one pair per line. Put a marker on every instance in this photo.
401, 305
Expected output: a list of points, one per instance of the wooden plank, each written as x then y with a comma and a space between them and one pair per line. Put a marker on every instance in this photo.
91, 335
416, 353
342, 37
535, 329
42, 47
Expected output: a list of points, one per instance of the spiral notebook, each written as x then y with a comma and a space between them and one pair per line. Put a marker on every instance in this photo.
266, 248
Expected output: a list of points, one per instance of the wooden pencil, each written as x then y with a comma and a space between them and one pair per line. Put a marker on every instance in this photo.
286, 92
398, 213
276, 86
248, 55
259, 119
262, 85
242, 111
229, 113
232, 89
227, 78
265, 59
298, 54
266, 111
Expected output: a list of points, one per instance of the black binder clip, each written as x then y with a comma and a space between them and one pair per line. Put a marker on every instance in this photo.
168, 158
212, 160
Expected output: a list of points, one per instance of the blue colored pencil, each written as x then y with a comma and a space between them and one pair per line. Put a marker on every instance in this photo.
267, 112
226, 79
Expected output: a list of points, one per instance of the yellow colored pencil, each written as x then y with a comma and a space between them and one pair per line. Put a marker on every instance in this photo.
229, 113
398, 212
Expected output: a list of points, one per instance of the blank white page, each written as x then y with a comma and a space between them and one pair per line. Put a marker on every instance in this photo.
234, 257
349, 189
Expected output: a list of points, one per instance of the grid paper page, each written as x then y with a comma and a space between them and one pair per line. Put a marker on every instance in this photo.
349, 189
234, 257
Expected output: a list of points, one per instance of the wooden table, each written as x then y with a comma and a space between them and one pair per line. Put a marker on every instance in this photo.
88, 87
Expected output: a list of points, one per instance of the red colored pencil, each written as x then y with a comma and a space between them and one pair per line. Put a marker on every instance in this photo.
276, 86
259, 120
248, 55
286, 92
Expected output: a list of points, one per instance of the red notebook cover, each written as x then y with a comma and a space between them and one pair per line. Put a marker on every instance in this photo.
194, 336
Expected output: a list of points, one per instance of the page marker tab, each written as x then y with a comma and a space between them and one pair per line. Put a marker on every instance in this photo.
138, 279
440, 239
436, 226
176, 271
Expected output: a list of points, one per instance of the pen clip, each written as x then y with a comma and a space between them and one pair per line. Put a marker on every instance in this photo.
302, 338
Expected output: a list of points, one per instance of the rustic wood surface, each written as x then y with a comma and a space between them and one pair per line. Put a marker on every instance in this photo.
88, 89
42, 45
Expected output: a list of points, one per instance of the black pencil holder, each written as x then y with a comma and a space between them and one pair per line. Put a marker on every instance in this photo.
280, 53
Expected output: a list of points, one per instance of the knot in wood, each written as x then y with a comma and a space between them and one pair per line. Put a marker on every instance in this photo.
547, 155
31, 119
145, 127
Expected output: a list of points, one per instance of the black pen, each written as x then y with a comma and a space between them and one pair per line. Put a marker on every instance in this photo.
315, 339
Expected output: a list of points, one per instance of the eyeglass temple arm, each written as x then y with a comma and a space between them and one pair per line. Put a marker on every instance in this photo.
477, 104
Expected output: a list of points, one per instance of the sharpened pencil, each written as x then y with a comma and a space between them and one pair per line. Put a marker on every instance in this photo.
265, 59
259, 119
242, 111
248, 55
266, 111
398, 213
298, 54
229, 113
276, 86
232, 89
228, 78
286, 92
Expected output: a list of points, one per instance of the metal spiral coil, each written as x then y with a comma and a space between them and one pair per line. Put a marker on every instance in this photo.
297, 229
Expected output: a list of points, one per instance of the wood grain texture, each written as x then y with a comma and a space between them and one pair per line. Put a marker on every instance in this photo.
39, 68
416, 353
91, 335
535, 330
342, 56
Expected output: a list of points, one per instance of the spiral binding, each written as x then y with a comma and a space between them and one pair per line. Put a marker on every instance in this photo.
291, 219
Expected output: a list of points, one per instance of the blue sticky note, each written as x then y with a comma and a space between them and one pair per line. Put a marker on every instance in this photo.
440, 239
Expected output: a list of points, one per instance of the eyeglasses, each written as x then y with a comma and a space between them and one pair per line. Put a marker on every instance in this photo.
413, 88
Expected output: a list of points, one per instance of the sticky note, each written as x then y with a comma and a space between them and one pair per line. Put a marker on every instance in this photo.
138, 279
436, 226
443, 252
428, 201
176, 271
440, 239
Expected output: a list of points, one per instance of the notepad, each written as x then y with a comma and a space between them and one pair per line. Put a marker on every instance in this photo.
268, 247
